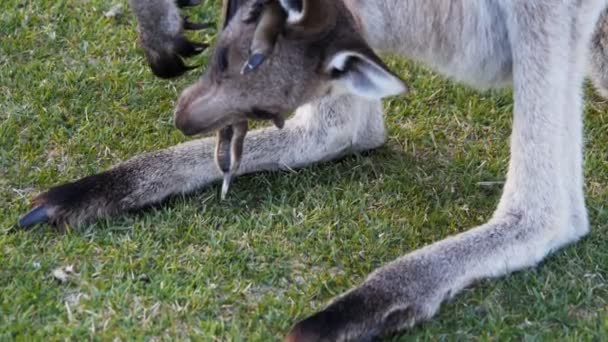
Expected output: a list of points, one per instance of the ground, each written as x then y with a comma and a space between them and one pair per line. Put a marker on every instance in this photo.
76, 98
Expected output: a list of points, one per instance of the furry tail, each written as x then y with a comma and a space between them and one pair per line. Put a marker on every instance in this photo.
598, 63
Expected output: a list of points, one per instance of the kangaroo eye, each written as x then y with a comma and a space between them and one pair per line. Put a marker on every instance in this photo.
223, 59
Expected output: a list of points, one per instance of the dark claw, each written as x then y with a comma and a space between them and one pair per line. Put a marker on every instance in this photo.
169, 66
187, 3
253, 63
187, 48
36, 216
188, 25
279, 122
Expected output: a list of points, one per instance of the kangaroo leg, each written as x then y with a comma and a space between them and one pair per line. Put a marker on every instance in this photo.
598, 57
541, 208
324, 130
574, 125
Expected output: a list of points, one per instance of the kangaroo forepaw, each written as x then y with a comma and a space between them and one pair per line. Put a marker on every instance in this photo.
162, 35
169, 63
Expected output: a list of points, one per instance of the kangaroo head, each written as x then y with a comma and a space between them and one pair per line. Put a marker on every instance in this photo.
276, 55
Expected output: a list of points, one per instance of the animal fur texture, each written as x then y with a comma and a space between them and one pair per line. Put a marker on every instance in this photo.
324, 67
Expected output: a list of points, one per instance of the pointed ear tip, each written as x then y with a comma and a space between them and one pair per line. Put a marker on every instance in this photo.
398, 88
404, 89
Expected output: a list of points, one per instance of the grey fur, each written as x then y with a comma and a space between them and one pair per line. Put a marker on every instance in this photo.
538, 46
598, 67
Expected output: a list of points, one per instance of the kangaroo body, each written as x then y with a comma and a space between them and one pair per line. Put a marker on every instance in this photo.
540, 47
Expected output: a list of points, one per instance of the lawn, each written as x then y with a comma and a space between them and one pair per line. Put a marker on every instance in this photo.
76, 98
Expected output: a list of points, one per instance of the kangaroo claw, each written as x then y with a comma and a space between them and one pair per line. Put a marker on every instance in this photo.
37, 215
279, 122
188, 3
253, 63
187, 48
229, 152
226, 185
188, 25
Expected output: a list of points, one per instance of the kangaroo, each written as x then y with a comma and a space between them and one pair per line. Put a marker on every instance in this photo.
323, 67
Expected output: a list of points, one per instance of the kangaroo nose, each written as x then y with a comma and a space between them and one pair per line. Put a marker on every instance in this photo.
184, 123
183, 117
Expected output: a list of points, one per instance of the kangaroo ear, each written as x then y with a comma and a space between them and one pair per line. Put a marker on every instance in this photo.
296, 10
364, 76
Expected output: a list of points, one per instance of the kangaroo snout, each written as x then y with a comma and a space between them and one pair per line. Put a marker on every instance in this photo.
182, 117
199, 111
183, 122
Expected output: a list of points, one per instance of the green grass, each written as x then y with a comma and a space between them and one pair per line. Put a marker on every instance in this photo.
76, 98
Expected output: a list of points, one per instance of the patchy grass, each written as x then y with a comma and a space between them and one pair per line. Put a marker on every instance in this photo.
76, 97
